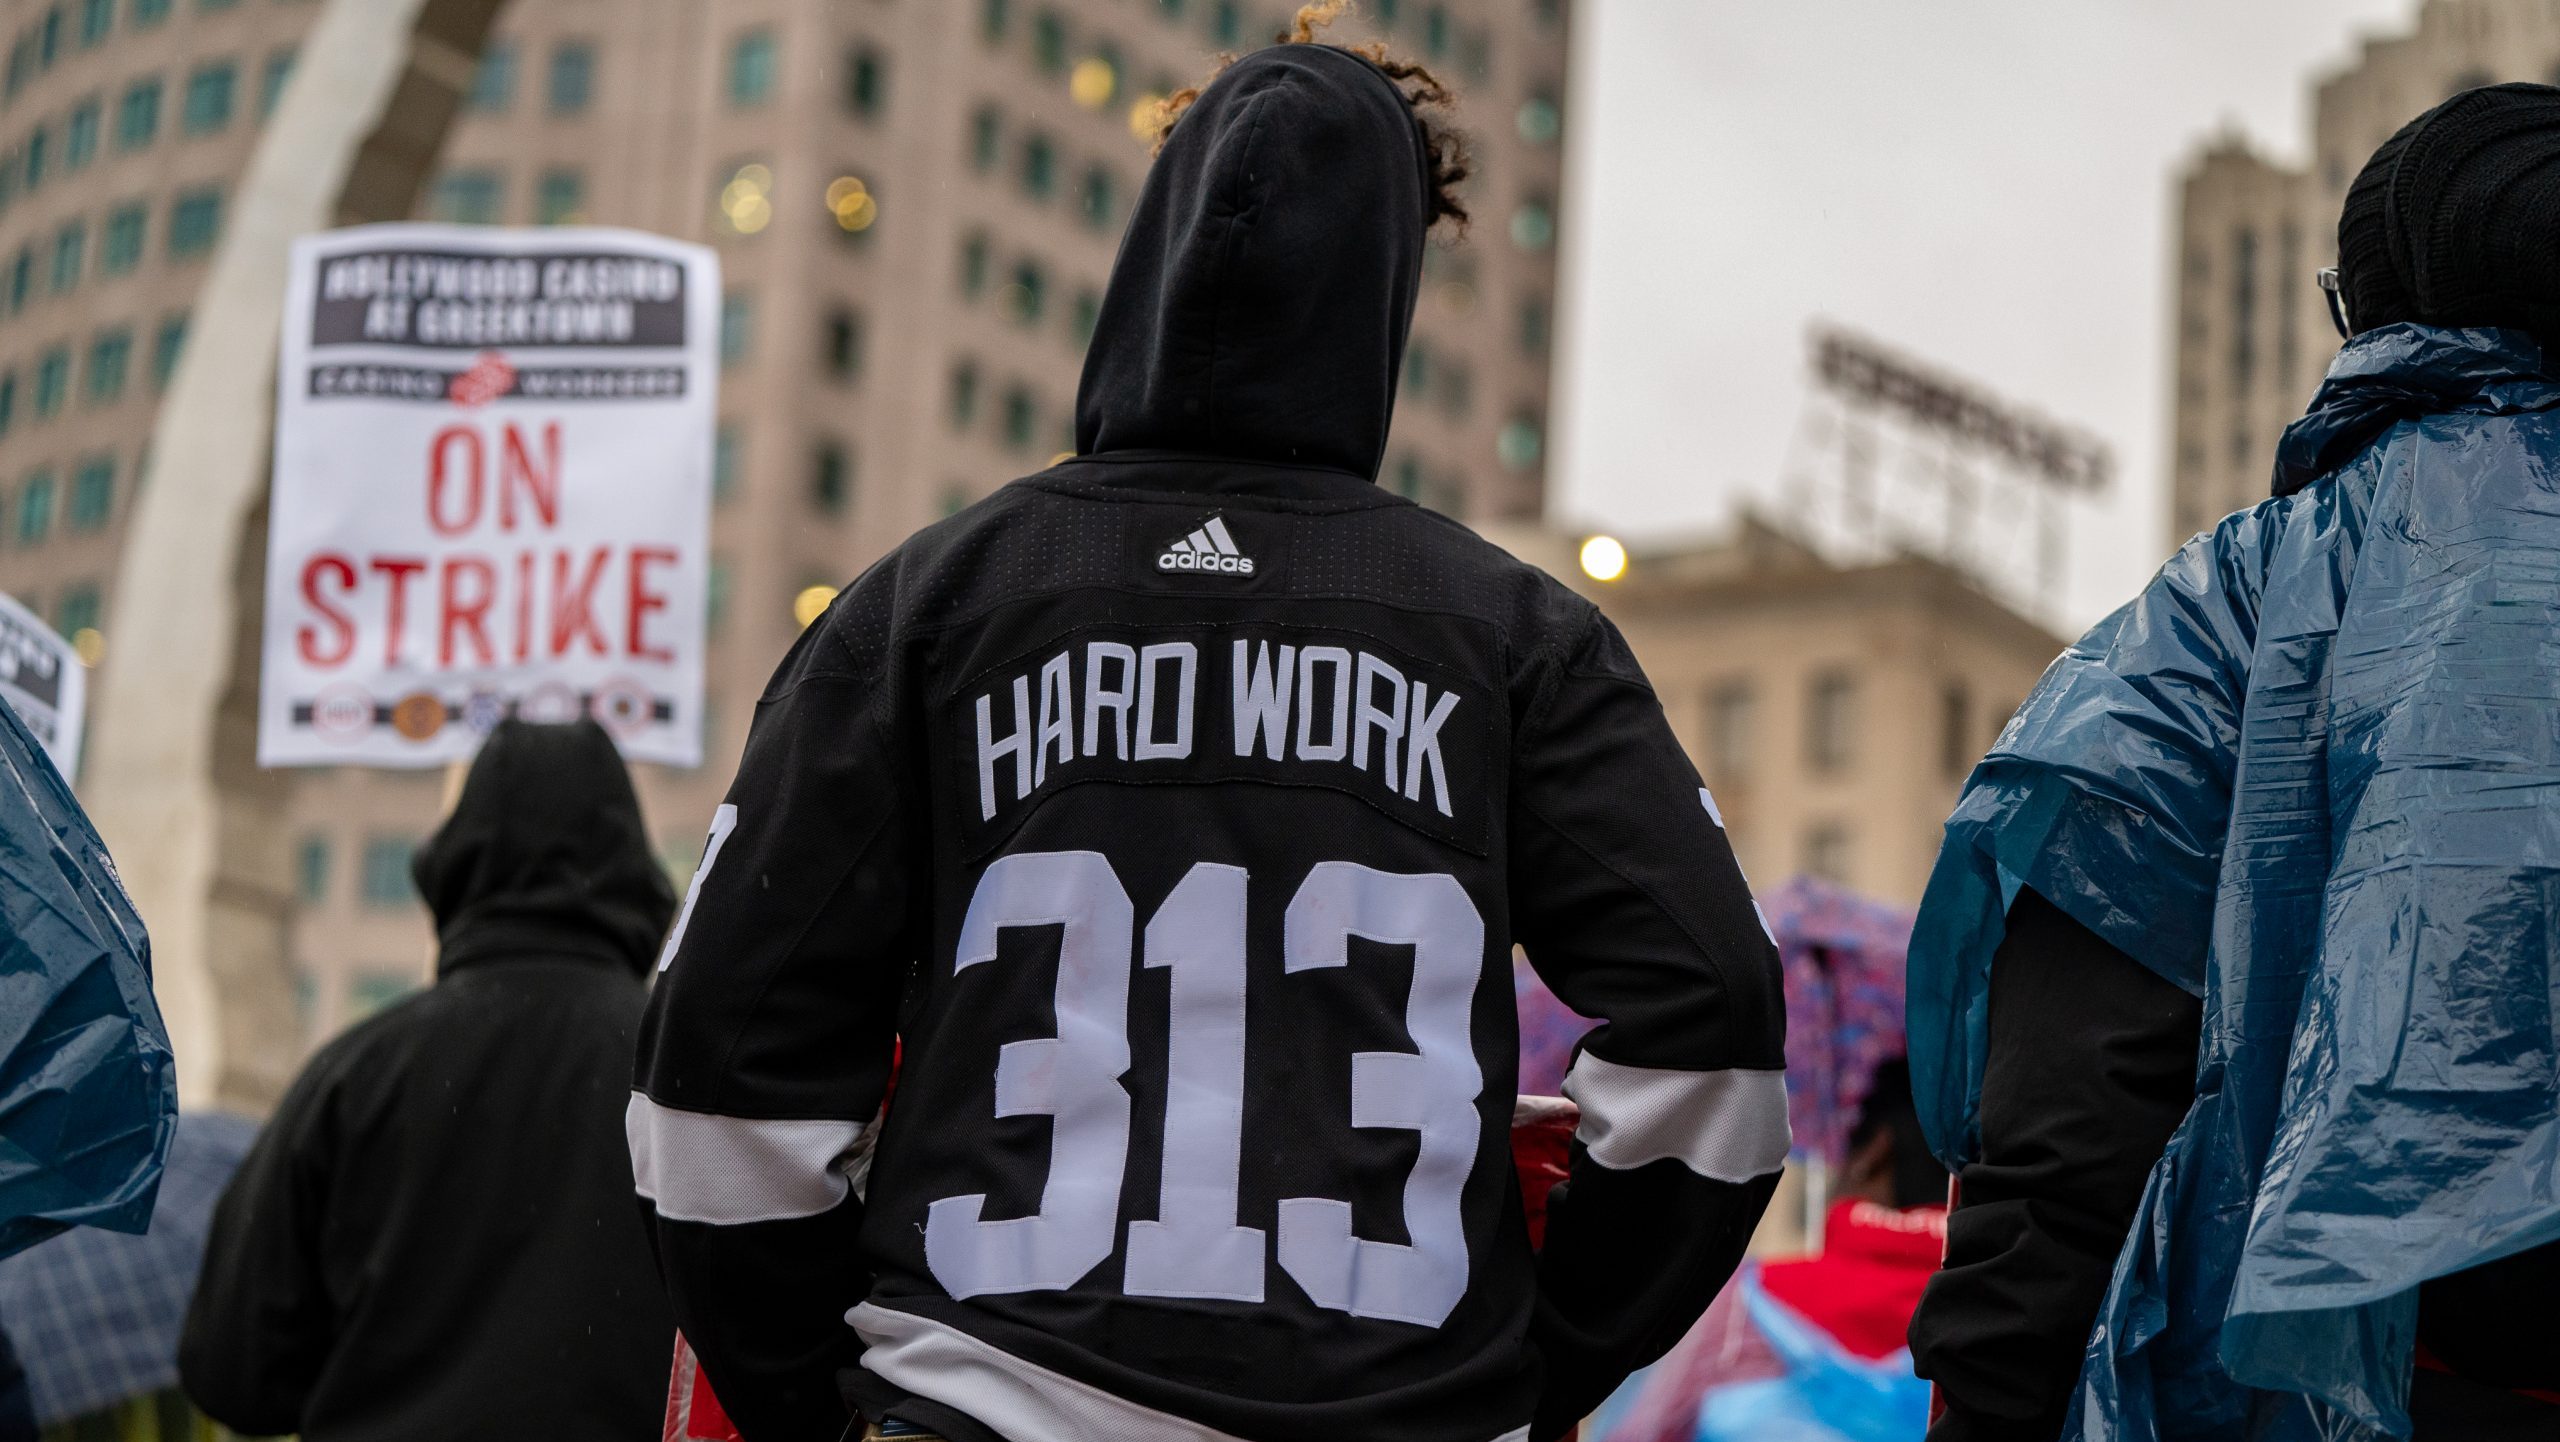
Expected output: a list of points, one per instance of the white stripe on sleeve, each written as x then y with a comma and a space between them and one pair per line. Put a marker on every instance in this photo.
1730, 1126
730, 1170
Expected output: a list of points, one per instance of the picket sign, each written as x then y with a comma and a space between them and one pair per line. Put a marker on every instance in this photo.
492, 492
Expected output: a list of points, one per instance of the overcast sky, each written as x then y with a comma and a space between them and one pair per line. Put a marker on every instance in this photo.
1984, 183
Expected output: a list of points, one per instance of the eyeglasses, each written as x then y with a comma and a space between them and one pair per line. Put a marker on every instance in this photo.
2328, 278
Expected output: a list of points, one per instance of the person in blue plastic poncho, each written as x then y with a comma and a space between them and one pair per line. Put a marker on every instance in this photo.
2232, 997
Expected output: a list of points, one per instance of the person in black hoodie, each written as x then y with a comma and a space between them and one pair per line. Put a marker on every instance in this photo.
1172, 814
433, 1237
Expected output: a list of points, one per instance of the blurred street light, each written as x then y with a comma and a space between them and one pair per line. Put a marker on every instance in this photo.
811, 603
1603, 559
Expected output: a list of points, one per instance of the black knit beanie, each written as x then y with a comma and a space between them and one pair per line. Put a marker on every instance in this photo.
2456, 220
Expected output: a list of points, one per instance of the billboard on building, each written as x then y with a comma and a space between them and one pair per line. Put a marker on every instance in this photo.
43, 681
492, 492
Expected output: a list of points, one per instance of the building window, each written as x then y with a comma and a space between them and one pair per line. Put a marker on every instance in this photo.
22, 276
844, 343
49, 37
1535, 324
80, 135
737, 327
995, 17
35, 509
1520, 442
386, 871
272, 81
1457, 390
973, 264
195, 222
70, 246
866, 82
1435, 31
39, 146
1826, 853
1099, 206
1021, 417
149, 12
493, 80
8, 401
77, 611
1830, 723
751, 68
93, 494
53, 381
986, 137
311, 870
715, 593
138, 115
1039, 167
964, 395
1173, 8
573, 76
1226, 23
1049, 41
1732, 713
1028, 293
110, 356
561, 198
367, 995
1956, 753
97, 17
724, 461
1086, 315
469, 197
209, 91
2244, 307
166, 349
830, 479
1533, 225
1540, 120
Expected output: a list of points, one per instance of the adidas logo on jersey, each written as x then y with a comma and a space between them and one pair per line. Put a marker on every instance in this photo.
1209, 548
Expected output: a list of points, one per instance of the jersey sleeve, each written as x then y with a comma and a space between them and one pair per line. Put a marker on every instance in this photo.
767, 1046
1627, 898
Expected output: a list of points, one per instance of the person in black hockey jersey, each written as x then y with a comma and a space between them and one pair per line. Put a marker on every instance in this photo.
1176, 810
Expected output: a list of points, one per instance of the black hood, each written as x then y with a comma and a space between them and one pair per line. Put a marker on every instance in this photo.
545, 855
1260, 303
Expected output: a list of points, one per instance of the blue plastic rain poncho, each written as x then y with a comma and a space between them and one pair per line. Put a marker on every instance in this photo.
2311, 775
88, 1094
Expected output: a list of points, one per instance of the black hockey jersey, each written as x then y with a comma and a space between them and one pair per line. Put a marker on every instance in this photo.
1177, 809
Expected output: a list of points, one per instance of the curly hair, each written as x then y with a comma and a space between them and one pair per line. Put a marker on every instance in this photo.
1432, 102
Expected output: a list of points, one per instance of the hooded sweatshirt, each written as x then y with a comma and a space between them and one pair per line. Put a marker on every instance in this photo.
433, 1236
1177, 809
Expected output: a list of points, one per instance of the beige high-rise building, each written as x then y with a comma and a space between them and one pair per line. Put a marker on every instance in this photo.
916, 204
1833, 710
2253, 332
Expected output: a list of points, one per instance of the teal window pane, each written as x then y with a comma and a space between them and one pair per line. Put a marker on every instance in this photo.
1226, 23
737, 326
77, 610
751, 68
1086, 315
166, 349
70, 247
561, 198
1028, 293
986, 137
53, 381
573, 77
995, 17
844, 344
1049, 41
724, 461
1533, 225
209, 97
866, 86
138, 115
831, 479
1535, 325
1021, 417
469, 197
22, 273
1521, 441
715, 593
110, 356
973, 264
1039, 167
8, 401
35, 509
39, 153
367, 995
93, 494
1100, 202
272, 81
150, 12
97, 17
49, 37
80, 135
386, 871
195, 222
493, 80
311, 870
964, 395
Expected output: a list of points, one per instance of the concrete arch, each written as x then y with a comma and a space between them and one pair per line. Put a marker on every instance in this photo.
173, 783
